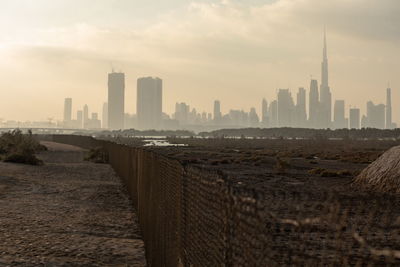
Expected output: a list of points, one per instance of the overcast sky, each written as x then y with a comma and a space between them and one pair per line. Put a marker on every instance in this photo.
237, 51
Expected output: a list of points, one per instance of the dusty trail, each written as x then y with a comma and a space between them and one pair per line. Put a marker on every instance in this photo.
66, 213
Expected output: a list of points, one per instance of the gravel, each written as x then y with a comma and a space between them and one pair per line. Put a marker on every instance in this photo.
66, 213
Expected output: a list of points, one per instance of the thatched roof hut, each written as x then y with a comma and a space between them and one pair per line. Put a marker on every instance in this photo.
383, 175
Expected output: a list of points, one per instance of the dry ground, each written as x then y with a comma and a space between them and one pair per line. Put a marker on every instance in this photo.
66, 213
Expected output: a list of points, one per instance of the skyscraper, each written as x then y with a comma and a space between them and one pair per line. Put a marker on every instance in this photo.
264, 113
313, 105
325, 96
116, 100
375, 115
79, 118
301, 113
217, 112
85, 116
149, 103
354, 118
67, 112
254, 120
339, 119
285, 108
389, 123
273, 114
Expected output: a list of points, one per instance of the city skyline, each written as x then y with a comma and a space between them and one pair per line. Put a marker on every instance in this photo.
253, 49
283, 111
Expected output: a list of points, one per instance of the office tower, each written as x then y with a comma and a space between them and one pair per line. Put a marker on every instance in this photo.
182, 113
116, 100
354, 118
273, 114
239, 118
375, 115
325, 95
217, 111
254, 120
301, 113
339, 119
85, 116
79, 118
93, 122
313, 105
264, 113
389, 123
104, 119
149, 103
285, 108
67, 112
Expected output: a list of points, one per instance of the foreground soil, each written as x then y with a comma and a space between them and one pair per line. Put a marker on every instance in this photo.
66, 213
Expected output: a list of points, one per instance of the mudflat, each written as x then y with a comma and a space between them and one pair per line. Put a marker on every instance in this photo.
67, 212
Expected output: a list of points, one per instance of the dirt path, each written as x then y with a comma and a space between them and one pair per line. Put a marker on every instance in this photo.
66, 213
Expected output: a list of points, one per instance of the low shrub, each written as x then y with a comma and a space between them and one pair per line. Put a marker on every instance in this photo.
21, 148
281, 165
97, 155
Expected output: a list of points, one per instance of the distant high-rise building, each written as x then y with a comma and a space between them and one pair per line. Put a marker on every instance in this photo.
67, 112
389, 123
149, 103
301, 113
116, 100
104, 119
79, 118
375, 115
93, 122
285, 108
254, 120
217, 111
354, 118
313, 105
264, 113
85, 116
339, 121
325, 111
182, 113
273, 114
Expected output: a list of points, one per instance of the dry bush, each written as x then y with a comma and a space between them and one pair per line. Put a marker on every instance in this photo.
17, 147
97, 155
281, 165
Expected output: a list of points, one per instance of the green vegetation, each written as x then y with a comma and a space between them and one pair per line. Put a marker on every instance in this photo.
21, 148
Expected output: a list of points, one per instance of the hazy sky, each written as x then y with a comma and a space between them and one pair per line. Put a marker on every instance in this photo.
237, 51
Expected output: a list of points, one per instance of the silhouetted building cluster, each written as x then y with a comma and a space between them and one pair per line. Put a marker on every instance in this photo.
284, 111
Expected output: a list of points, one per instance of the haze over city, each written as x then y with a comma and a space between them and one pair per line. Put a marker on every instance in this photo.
236, 51
199, 133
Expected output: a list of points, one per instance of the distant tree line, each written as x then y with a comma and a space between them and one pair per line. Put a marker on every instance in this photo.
365, 133
138, 133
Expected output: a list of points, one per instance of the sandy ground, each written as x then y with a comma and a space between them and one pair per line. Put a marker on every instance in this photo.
66, 213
